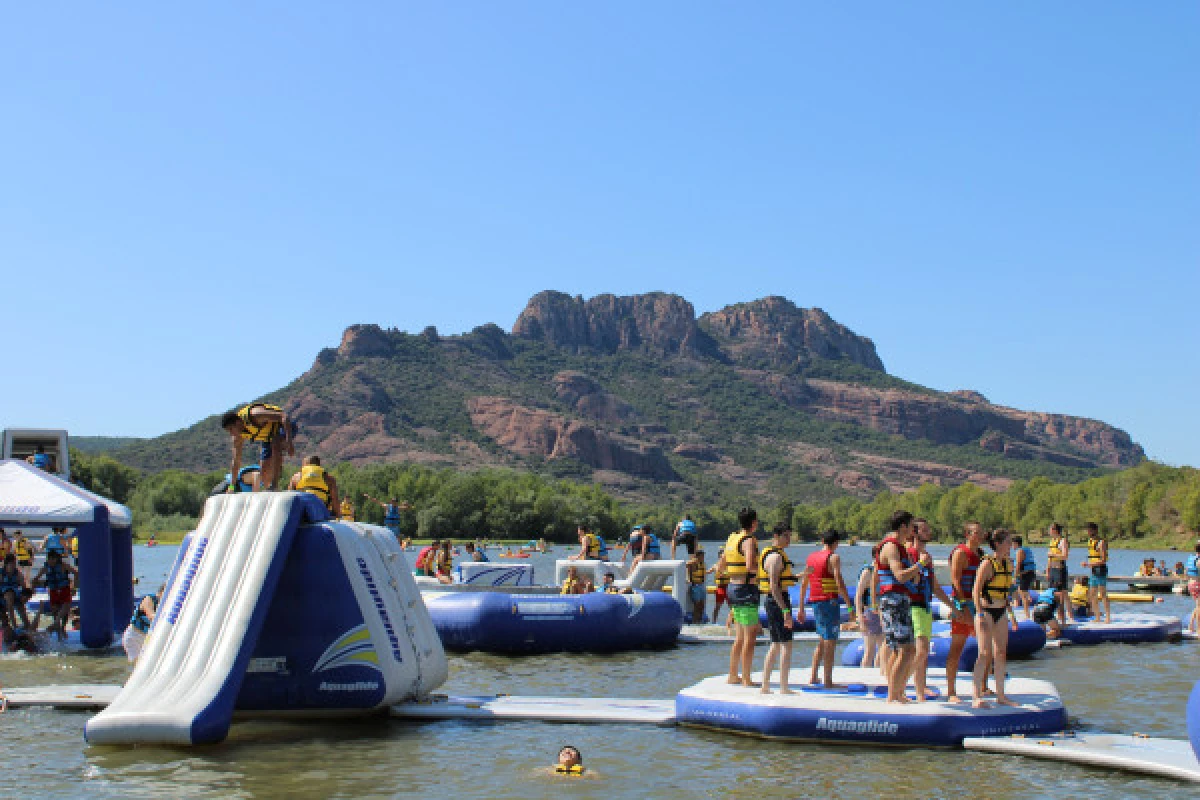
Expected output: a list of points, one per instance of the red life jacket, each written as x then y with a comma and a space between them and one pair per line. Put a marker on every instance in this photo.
423, 557
974, 559
888, 583
821, 584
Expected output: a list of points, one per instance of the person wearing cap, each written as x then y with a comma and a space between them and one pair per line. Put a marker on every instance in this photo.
825, 591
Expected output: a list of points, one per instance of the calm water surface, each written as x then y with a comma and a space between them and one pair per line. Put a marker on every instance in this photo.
1118, 688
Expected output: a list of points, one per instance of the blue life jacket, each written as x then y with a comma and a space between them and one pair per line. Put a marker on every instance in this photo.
1192, 569
483, 559
652, 545
139, 620
1030, 563
54, 543
57, 577
10, 581
603, 554
391, 515
687, 526
925, 584
41, 460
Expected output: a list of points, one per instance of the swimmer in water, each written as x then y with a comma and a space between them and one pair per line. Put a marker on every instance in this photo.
570, 761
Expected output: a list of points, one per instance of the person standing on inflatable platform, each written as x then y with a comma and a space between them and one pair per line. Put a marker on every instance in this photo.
896, 594
964, 565
1025, 567
685, 534
266, 425
391, 513
993, 586
825, 587
57, 578
1098, 581
740, 564
922, 615
1192, 570
775, 580
314, 479
1057, 575
720, 587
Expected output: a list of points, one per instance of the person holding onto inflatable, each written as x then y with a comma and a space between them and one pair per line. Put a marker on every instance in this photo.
1057, 577
422, 566
739, 562
573, 584
591, 546
135, 634
928, 588
993, 585
391, 512
13, 592
1026, 571
822, 584
964, 567
1044, 614
1097, 560
57, 577
40, 459
268, 426
720, 586
444, 561
685, 534
866, 608
696, 572
476, 554
897, 573
775, 579
317, 481
646, 545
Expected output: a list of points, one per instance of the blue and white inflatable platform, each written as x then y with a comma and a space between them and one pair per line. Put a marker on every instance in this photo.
274, 608
1125, 628
860, 713
1027, 639
501, 622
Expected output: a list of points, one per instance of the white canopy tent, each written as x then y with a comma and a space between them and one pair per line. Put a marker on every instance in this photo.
29, 496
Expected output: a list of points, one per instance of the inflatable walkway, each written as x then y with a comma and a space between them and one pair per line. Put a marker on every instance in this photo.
273, 608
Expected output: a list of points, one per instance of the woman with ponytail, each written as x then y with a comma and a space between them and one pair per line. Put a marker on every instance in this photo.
993, 586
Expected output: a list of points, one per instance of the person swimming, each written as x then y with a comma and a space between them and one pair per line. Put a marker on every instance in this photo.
570, 761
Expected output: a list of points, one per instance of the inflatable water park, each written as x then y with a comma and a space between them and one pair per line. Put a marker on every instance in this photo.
272, 609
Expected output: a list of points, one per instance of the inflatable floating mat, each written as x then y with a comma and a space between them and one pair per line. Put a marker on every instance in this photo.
1193, 719
499, 622
860, 714
1026, 640
1126, 628
1166, 758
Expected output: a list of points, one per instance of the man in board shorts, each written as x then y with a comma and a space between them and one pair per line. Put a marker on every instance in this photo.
740, 562
824, 588
1058, 578
964, 564
775, 578
896, 591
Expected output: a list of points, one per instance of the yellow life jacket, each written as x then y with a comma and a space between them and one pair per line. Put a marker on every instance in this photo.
574, 769
255, 432
444, 562
1079, 595
347, 511
735, 559
569, 585
1054, 551
1095, 557
312, 480
74, 546
592, 543
786, 578
5, 548
22, 549
721, 577
1000, 585
696, 573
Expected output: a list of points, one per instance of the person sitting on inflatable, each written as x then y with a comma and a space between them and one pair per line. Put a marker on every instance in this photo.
314, 479
609, 586
591, 546
13, 592
570, 762
1079, 597
573, 583
476, 554
444, 562
40, 460
421, 565
685, 534
266, 425
57, 577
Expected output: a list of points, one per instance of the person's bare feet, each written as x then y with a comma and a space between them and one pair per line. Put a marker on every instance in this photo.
901, 701
733, 680
1004, 701
786, 690
953, 698
764, 689
979, 702
749, 684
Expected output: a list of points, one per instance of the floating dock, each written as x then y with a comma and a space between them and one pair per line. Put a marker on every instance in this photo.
1166, 758
633, 711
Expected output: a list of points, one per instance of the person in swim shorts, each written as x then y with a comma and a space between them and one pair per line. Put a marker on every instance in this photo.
993, 585
824, 589
964, 566
721, 587
928, 588
867, 610
1025, 564
268, 426
897, 589
1044, 613
775, 578
697, 593
740, 563
1057, 577
1191, 569
1097, 560
57, 578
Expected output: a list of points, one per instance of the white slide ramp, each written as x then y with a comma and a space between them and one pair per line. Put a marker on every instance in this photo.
185, 683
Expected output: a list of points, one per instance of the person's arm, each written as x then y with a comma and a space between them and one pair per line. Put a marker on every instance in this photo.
957, 566
235, 462
859, 591
982, 577
294, 482
582, 554
334, 499
674, 541
379, 503
36, 578
1020, 562
891, 554
774, 567
835, 565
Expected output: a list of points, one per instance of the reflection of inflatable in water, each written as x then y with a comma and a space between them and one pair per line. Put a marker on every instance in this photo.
860, 713
497, 622
1026, 640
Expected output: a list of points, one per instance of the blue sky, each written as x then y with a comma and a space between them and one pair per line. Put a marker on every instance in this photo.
195, 201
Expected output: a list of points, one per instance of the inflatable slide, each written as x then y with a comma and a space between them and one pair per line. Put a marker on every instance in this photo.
274, 608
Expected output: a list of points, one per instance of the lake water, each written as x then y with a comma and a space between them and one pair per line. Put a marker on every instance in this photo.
1116, 688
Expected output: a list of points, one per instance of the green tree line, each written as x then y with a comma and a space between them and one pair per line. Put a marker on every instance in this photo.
1149, 501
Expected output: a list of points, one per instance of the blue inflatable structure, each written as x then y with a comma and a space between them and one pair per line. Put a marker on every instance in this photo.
273, 608
499, 622
35, 498
1193, 719
1026, 640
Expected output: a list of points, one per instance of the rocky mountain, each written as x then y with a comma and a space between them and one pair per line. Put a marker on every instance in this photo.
761, 399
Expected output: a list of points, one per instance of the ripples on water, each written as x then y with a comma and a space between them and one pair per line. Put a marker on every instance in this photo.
1122, 688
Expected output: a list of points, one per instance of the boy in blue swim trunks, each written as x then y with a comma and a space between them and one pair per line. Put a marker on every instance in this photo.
823, 586
1097, 559
264, 424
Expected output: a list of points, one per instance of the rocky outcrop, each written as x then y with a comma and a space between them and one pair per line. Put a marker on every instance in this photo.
656, 322
698, 452
773, 331
536, 432
902, 475
364, 341
588, 398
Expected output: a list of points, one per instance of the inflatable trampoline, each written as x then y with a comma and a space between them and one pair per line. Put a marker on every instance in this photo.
1026, 640
1124, 628
500, 622
860, 714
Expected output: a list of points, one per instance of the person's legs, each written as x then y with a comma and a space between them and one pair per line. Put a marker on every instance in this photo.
983, 661
1103, 592
785, 666
1000, 659
768, 665
735, 652
816, 663
748, 645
